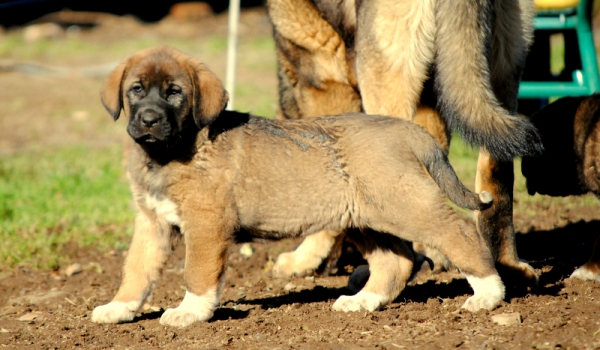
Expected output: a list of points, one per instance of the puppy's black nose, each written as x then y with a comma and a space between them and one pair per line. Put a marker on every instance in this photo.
149, 117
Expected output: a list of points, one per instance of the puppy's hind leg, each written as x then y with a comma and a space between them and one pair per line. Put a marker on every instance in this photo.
469, 252
390, 264
307, 256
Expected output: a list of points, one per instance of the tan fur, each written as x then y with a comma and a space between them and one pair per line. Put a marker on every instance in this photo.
231, 177
448, 66
384, 24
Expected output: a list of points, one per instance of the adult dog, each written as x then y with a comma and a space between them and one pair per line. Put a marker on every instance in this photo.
216, 177
570, 164
412, 59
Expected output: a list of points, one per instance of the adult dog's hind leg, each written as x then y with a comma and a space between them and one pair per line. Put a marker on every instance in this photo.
496, 223
307, 256
469, 252
390, 265
394, 48
149, 250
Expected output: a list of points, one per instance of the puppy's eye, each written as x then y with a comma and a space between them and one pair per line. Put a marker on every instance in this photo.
173, 90
137, 88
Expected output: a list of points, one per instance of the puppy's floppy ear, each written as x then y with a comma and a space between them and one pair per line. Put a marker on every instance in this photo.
210, 97
112, 92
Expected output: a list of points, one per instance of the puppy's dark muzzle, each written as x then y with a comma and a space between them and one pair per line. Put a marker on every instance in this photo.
150, 123
149, 117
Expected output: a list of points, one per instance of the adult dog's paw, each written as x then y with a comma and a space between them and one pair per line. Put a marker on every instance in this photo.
586, 274
362, 301
358, 278
115, 312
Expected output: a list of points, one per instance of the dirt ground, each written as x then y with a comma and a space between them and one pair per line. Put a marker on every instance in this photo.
42, 309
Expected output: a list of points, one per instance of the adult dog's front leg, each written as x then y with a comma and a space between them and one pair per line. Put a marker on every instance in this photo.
496, 223
149, 250
207, 242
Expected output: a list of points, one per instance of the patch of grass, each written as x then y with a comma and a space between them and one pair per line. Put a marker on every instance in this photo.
54, 197
15, 47
247, 100
464, 160
215, 45
62, 50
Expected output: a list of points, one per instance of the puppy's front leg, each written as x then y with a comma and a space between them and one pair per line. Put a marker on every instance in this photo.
149, 250
207, 243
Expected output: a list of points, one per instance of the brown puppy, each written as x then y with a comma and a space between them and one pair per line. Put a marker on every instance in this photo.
412, 59
570, 164
217, 177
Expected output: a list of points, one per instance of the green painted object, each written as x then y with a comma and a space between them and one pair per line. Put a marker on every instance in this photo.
585, 81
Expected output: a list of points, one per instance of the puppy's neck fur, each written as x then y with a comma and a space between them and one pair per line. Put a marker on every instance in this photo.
227, 120
191, 137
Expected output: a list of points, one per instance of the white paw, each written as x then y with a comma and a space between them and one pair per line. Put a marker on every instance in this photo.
489, 291
362, 301
478, 302
193, 308
183, 318
115, 312
585, 274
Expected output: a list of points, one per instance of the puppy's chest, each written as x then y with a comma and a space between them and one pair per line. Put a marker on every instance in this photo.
163, 208
155, 198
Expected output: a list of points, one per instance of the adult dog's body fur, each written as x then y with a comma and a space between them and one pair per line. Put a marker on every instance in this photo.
217, 177
570, 164
412, 59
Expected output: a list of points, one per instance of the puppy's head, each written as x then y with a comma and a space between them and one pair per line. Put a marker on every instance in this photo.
164, 92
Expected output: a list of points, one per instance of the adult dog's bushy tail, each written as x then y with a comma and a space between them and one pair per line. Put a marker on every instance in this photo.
477, 74
434, 159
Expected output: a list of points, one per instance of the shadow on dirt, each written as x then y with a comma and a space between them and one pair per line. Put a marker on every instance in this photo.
563, 249
221, 314
315, 295
558, 252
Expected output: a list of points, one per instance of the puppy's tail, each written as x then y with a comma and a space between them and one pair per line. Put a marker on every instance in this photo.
434, 159
481, 49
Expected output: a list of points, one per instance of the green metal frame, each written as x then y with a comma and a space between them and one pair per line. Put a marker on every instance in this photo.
585, 81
